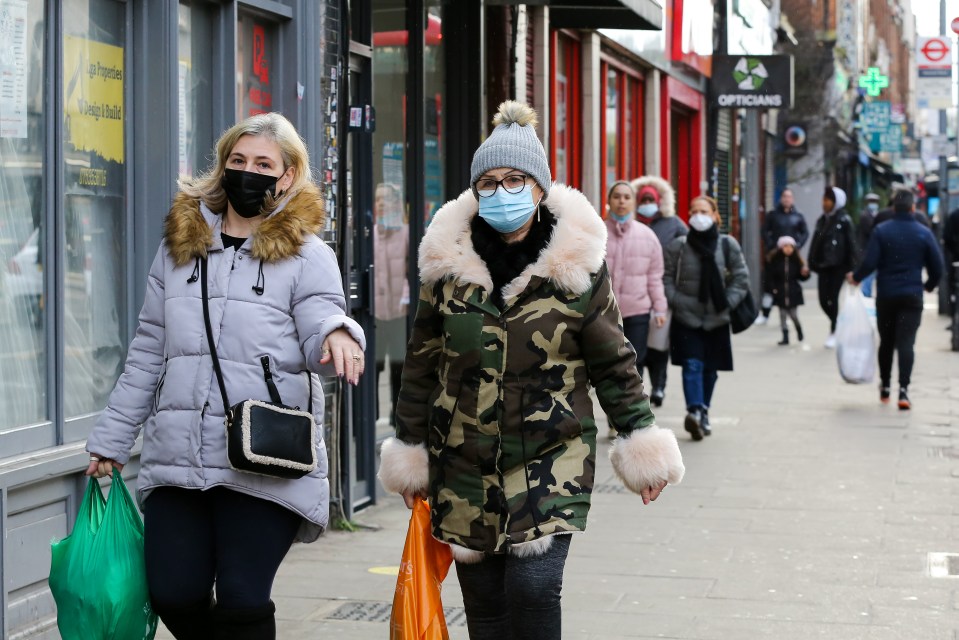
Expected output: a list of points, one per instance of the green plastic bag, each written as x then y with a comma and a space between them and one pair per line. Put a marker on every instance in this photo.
98, 573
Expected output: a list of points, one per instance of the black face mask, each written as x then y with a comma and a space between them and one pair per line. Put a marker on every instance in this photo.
246, 190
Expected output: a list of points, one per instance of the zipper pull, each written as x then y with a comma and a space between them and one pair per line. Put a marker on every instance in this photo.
265, 361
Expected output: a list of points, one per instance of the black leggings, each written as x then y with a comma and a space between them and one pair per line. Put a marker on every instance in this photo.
898, 321
830, 284
636, 329
196, 538
508, 597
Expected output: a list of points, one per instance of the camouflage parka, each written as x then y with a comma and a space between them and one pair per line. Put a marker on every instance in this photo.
494, 418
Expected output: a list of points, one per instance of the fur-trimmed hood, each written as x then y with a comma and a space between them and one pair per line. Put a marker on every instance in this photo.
190, 225
575, 252
667, 196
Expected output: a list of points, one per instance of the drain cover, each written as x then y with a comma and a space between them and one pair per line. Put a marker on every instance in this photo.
943, 565
609, 487
373, 611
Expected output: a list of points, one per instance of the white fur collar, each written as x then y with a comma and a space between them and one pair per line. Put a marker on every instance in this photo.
573, 254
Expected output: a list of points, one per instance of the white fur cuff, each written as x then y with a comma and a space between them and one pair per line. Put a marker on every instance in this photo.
404, 467
646, 458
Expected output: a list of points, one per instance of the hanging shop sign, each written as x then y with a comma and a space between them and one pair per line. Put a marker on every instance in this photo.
873, 82
875, 117
752, 82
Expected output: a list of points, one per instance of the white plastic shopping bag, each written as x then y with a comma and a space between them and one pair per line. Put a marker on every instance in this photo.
855, 337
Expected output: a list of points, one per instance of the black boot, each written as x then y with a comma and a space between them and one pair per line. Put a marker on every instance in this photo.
257, 623
799, 332
193, 622
704, 423
694, 423
785, 340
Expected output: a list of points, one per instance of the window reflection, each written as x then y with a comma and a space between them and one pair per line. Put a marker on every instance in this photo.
94, 233
391, 224
22, 230
194, 89
256, 46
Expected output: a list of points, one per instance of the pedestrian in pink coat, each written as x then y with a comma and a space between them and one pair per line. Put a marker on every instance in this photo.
635, 261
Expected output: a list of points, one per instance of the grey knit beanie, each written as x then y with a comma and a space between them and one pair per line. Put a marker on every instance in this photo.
513, 144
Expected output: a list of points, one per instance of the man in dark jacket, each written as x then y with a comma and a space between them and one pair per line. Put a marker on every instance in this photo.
898, 251
832, 254
783, 221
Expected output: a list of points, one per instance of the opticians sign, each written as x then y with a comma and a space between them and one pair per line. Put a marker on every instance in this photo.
752, 82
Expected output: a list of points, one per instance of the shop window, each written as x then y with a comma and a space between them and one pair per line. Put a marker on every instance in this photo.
94, 214
23, 228
391, 240
194, 88
622, 125
256, 73
434, 142
565, 116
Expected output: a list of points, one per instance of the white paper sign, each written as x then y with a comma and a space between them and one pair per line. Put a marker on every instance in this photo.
13, 68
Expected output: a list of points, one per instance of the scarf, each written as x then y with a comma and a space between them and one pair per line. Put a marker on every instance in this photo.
711, 282
507, 261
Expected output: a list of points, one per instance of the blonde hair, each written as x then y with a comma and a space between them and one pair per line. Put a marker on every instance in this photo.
273, 126
708, 200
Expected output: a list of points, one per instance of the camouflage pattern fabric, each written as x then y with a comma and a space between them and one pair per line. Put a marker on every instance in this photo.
501, 398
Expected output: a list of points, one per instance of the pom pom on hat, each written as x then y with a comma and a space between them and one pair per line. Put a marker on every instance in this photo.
513, 144
784, 240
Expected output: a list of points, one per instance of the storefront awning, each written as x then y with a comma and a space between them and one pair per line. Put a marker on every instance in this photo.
599, 14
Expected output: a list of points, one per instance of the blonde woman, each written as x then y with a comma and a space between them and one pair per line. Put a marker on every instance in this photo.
275, 296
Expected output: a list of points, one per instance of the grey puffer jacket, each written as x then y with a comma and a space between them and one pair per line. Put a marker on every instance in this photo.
681, 281
168, 385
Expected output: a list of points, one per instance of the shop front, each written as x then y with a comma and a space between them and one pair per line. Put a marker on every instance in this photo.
104, 104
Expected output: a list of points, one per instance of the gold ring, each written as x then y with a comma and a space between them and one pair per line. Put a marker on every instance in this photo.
355, 357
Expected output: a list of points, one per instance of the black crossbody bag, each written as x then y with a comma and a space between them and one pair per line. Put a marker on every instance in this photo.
268, 438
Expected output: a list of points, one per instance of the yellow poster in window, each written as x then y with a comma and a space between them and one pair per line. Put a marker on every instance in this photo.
93, 78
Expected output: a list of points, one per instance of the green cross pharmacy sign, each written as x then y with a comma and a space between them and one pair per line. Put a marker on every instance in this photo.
873, 82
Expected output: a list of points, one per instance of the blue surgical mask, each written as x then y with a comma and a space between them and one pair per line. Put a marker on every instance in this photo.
872, 207
648, 210
506, 212
626, 217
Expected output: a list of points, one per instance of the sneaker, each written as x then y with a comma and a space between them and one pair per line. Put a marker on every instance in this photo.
761, 320
704, 423
884, 394
694, 424
830, 341
656, 397
904, 404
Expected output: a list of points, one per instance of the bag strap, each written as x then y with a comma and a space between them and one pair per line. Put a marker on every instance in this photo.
209, 336
265, 361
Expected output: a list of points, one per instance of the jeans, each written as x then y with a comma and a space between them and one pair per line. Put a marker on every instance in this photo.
867, 283
636, 329
830, 283
898, 320
511, 598
196, 538
698, 384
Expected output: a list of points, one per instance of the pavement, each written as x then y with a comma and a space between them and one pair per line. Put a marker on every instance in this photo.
811, 512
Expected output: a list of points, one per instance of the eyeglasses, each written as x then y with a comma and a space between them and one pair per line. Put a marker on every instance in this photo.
512, 183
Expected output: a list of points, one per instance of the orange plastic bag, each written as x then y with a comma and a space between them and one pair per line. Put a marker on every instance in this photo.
417, 606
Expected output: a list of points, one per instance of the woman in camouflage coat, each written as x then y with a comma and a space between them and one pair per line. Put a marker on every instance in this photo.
516, 321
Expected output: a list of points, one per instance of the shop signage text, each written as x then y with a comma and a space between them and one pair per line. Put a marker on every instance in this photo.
752, 82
